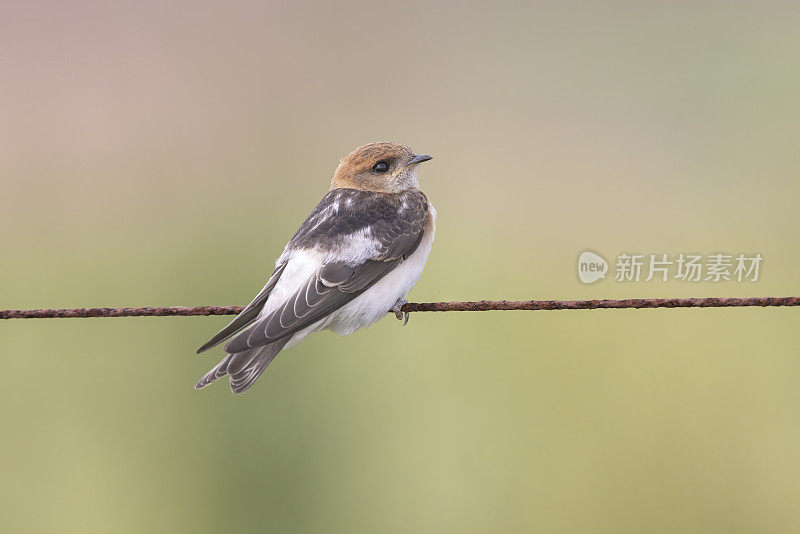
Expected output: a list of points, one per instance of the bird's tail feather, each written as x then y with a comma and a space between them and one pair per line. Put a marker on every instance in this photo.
243, 367
219, 370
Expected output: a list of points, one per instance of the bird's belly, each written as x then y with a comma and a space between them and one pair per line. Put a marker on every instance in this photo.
374, 303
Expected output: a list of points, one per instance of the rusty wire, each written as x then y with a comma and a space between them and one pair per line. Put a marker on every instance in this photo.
481, 305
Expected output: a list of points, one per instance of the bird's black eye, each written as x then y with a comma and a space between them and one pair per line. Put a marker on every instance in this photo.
381, 167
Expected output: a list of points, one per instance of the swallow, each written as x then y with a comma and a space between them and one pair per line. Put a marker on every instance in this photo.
353, 260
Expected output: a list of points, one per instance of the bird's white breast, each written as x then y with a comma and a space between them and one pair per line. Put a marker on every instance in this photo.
372, 305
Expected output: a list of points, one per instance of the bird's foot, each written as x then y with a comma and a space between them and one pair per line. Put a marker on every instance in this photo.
398, 312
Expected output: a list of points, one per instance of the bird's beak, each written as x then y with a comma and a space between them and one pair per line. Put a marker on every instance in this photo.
419, 158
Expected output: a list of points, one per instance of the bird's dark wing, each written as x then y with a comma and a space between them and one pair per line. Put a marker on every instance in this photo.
248, 314
333, 286
396, 223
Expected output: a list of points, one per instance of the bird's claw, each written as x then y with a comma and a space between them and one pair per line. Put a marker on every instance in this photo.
399, 313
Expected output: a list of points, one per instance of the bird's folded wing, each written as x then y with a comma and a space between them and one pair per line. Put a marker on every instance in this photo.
248, 314
331, 287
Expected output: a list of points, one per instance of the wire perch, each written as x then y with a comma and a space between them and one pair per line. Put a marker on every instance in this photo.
480, 305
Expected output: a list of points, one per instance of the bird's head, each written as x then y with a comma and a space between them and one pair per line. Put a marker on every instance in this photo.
383, 167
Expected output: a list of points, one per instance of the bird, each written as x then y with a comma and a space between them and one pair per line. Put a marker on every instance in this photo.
352, 261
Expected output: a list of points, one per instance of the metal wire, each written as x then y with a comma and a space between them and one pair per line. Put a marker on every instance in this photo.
480, 305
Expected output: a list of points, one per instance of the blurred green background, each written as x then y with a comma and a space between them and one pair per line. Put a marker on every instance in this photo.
162, 154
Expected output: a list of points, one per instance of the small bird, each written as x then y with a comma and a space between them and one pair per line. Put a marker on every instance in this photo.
353, 260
